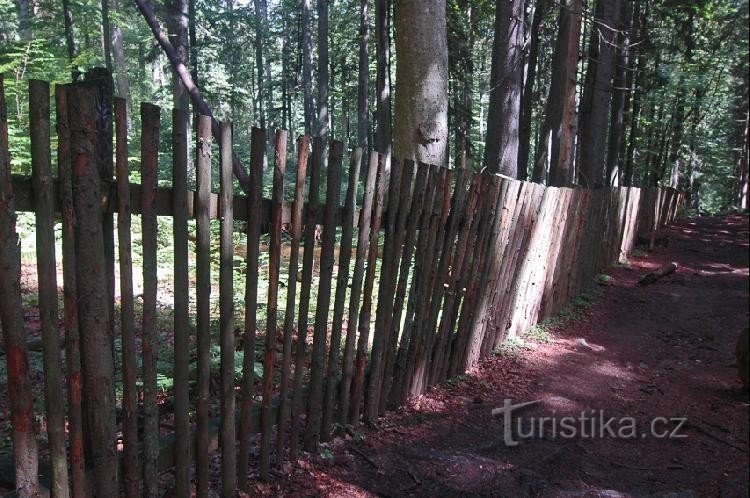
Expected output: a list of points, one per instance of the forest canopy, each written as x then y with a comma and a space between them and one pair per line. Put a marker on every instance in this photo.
658, 91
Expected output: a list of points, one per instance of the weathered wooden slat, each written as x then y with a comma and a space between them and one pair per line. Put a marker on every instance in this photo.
149, 345
180, 132
357, 278
70, 302
226, 316
41, 166
203, 302
93, 307
11, 314
274, 266
254, 205
304, 301
303, 153
365, 311
342, 280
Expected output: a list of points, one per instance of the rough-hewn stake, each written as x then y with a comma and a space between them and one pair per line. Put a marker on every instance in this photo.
387, 282
41, 168
274, 265
93, 309
359, 272
391, 337
131, 470
195, 95
365, 311
303, 152
203, 303
342, 280
14, 337
180, 131
304, 300
149, 174
70, 299
226, 317
257, 150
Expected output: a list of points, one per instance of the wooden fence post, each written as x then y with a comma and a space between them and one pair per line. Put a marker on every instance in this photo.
274, 265
131, 459
14, 338
226, 317
70, 297
47, 279
92, 289
203, 300
254, 203
150, 341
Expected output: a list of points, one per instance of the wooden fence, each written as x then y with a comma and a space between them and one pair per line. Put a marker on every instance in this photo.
461, 262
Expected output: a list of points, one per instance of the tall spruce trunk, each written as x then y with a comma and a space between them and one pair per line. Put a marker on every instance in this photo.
420, 128
323, 72
383, 132
597, 91
363, 122
558, 130
307, 91
527, 98
619, 96
177, 26
506, 87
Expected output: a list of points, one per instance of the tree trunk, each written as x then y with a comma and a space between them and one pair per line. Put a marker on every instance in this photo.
106, 36
25, 12
363, 122
527, 98
383, 139
323, 71
619, 90
421, 119
558, 135
177, 27
307, 66
506, 86
263, 65
118, 51
595, 102
461, 40
69, 39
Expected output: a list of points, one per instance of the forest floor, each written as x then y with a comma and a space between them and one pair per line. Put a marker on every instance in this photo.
656, 359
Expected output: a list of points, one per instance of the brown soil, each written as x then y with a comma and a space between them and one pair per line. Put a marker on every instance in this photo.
664, 350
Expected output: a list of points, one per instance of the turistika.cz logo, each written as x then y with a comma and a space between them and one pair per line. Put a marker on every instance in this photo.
589, 424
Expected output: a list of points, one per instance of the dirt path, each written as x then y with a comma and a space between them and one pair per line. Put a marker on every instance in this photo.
666, 350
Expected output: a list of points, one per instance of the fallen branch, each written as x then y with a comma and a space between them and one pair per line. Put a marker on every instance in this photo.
187, 81
655, 276
368, 459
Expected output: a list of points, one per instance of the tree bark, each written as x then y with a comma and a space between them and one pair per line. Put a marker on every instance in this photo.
597, 91
383, 138
69, 39
619, 97
177, 27
506, 86
323, 71
558, 135
118, 51
363, 121
527, 99
421, 119
106, 36
309, 104
24, 9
